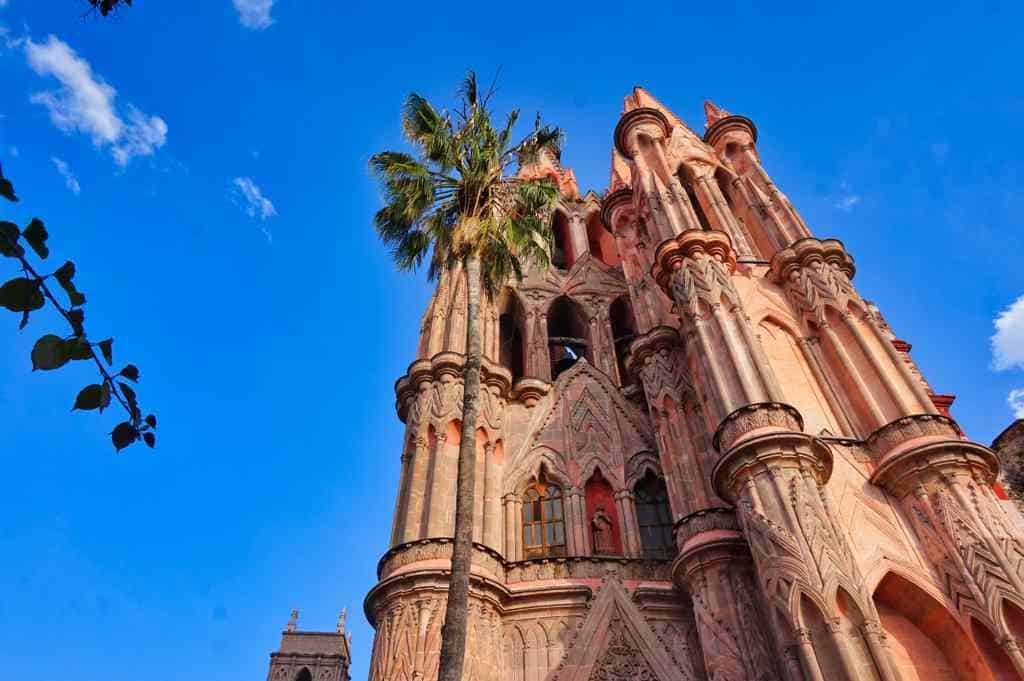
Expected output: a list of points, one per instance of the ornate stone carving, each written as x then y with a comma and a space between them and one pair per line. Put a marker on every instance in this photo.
756, 419
705, 520
696, 266
620, 660
815, 274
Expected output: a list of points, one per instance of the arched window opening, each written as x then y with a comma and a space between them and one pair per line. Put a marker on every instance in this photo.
562, 255
602, 517
654, 517
543, 519
568, 335
623, 332
926, 642
601, 242
510, 336
304, 675
995, 656
687, 182
725, 186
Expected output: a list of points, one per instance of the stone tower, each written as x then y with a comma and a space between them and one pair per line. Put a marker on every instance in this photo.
702, 455
311, 655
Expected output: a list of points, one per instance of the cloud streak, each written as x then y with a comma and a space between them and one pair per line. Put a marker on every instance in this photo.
87, 104
249, 197
254, 14
70, 181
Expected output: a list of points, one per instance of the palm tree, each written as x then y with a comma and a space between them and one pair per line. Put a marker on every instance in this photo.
460, 204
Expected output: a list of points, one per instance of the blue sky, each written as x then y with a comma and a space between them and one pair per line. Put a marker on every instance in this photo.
210, 183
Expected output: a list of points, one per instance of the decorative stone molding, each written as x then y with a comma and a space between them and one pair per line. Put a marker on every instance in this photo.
753, 420
704, 520
921, 446
904, 471
909, 428
643, 119
692, 246
493, 563
432, 549
530, 391
815, 274
587, 567
446, 368
765, 437
740, 127
613, 204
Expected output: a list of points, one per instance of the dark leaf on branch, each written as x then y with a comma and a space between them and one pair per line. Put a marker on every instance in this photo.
36, 235
131, 372
49, 353
129, 394
90, 397
9, 245
150, 439
6, 188
77, 318
151, 421
107, 348
21, 295
124, 434
104, 396
64, 277
78, 348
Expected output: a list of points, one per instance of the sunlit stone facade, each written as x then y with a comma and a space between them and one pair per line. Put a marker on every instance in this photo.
701, 454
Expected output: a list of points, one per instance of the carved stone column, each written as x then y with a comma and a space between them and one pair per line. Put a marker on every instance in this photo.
715, 567
775, 475
695, 269
944, 483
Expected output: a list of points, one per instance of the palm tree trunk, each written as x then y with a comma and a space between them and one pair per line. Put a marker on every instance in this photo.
453, 635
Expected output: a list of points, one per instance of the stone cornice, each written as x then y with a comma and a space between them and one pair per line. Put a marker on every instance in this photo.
654, 341
755, 419
643, 116
806, 253
613, 202
446, 366
918, 446
901, 472
692, 243
435, 554
727, 124
704, 520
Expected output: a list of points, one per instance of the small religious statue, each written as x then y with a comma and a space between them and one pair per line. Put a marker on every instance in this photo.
292, 621
601, 531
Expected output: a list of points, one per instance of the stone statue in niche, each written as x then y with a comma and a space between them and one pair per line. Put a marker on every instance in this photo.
601, 531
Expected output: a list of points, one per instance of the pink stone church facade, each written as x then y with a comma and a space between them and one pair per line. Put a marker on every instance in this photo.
702, 455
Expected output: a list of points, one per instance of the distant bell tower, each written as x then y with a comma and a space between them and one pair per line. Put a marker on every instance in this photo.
702, 455
311, 655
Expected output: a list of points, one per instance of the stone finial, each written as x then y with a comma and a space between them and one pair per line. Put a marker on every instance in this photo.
341, 620
292, 621
713, 113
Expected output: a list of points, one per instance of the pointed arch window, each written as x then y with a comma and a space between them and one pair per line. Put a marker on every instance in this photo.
543, 520
304, 675
654, 518
687, 181
568, 335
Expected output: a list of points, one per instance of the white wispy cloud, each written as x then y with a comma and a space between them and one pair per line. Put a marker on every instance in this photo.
250, 198
254, 14
87, 104
69, 178
846, 203
1016, 401
1008, 340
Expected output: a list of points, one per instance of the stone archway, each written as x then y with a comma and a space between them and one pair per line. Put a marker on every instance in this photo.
925, 640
